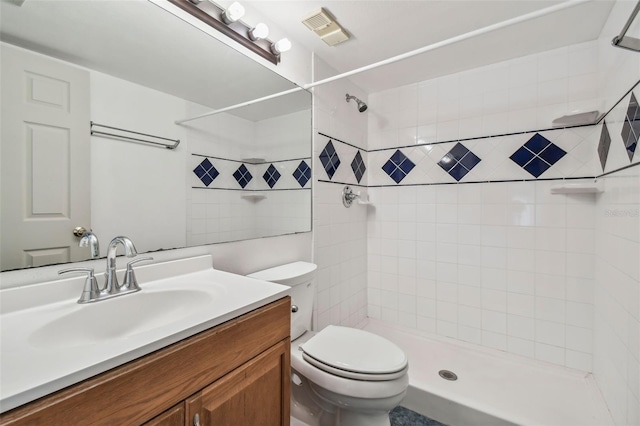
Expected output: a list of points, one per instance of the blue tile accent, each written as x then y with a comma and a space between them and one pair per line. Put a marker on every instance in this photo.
552, 154
522, 156
536, 167
459, 161
631, 127
358, 167
537, 155
242, 175
329, 159
398, 166
537, 143
302, 174
206, 172
603, 145
271, 176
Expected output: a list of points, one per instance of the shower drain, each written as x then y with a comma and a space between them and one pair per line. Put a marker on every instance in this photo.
448, 375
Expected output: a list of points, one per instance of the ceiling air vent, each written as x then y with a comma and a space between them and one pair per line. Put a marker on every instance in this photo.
321, 23
317, 20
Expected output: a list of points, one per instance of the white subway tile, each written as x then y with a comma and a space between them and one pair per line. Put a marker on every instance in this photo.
549, 353
494, 340
550, 309
579, 339
495, 322
521, 327
469, 334
521, 347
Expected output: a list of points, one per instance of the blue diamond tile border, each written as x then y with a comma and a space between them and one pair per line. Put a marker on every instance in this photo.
358, 167
271, 176
603, 145
459, 161
206, 172
302, 174
242, 176
329, 159
537, 155
398, 166
631, 127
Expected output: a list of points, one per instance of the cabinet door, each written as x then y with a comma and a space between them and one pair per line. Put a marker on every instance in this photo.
257, 393
172, 417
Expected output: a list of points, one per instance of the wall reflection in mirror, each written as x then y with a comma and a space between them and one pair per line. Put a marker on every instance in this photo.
237, 175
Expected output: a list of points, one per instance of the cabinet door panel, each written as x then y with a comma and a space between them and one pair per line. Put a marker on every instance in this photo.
256, 393
171, 417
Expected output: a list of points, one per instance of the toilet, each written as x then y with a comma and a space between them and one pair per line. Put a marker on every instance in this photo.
340, 376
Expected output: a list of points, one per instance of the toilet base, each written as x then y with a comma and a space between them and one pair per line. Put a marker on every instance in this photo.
315, 406
353, 418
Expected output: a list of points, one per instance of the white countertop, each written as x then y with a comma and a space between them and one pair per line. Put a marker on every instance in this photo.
38, 355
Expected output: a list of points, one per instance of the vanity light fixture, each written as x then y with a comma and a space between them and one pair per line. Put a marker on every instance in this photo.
233, 13
280, 46
259, 32
228, 22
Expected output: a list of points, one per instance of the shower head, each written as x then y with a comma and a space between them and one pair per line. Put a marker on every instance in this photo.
362, 107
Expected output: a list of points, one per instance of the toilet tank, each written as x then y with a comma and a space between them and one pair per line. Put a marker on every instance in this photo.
298, 276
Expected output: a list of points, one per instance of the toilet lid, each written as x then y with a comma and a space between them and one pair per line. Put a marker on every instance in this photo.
354, 353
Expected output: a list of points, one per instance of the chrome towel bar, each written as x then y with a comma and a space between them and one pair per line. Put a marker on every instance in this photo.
96, 129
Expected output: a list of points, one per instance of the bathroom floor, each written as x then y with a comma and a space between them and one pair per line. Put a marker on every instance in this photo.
401, 416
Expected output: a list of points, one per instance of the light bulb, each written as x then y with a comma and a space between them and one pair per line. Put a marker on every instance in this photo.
259, 32
233, 13
280, 46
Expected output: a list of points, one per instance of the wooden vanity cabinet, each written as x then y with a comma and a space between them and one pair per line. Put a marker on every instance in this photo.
234, 374
250, 395
172, 417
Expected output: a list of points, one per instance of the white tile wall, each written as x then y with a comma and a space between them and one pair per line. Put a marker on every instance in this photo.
476, 268
340, 234
617, 269
617, 295
511, 96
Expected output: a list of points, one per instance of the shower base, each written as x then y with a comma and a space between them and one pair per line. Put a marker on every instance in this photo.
492, 387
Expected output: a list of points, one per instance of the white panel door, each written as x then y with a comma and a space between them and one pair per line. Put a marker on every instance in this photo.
44, 159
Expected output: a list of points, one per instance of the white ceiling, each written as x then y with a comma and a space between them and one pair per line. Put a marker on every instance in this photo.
382, 29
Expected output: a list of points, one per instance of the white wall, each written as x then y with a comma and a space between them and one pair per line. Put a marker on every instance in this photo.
617, 212
340, 234
518, 95
130, 181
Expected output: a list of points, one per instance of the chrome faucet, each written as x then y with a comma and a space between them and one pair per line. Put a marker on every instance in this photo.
89, 239
111, 286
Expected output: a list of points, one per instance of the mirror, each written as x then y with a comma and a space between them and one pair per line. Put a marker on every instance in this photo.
131, 65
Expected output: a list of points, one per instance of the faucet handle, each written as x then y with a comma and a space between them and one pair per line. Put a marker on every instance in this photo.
91, 290
130, 281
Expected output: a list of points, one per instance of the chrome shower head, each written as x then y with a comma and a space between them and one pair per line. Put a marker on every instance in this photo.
362, 107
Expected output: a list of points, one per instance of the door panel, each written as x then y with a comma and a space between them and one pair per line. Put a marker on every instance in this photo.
44, 159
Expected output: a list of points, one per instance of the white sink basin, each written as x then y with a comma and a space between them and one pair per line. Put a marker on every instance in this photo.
49, 341
120, 317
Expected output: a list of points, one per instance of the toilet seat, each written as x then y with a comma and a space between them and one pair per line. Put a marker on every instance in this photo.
355, 354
